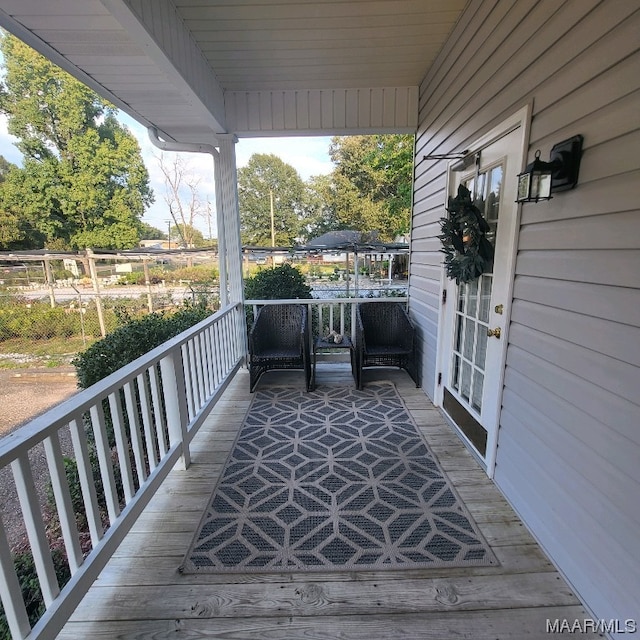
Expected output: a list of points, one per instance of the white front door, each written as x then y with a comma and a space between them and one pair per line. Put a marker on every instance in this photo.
472, 346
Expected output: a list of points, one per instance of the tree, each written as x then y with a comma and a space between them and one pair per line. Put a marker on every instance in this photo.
196, 238
149, 232
323, 213
371, 186
266, 176
83, 182
182, 198
5, 167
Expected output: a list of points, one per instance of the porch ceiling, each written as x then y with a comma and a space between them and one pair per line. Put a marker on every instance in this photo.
192, 68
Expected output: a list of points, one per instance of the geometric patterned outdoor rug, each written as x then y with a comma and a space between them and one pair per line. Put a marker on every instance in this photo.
332, 480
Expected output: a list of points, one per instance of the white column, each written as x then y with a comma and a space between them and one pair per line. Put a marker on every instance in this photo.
232, 242
222, 244
231, 213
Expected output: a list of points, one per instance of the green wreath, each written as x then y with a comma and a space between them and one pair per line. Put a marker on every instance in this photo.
468, 252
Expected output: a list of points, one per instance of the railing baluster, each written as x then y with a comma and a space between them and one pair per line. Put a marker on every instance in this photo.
122, 445
11, 592
30, 505
204, 366
203, 374
216, 355
173, 385
87, 483
210, 359
104, 458
134, 432
196, 372
193, 375
188, 382
64, 504
145, 410
225, 330
158, 410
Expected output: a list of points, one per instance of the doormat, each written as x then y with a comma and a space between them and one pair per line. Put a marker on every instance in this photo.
333, 480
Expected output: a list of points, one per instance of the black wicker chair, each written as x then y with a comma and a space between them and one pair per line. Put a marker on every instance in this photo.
279, 339
385, 337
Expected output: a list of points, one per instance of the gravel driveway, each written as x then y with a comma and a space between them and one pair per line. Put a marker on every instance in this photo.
24, 394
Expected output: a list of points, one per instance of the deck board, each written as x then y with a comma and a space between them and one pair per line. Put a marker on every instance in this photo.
140, 594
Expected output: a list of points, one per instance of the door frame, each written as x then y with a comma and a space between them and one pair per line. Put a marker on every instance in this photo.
521, 120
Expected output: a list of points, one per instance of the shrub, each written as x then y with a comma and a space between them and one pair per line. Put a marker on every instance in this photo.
26, 570
131, 341
36, 320
278, 283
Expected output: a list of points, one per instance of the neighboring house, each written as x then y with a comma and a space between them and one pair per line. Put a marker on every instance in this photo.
550, 403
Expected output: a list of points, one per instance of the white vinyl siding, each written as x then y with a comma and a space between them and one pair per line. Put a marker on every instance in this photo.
569, 441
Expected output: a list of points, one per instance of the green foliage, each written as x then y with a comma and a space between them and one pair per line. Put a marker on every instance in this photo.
131, 341
34, 602
75, 488
149, 232
279, 283
369, 190
468, 252
37, 320
266, 174
188, 236
83, 182
200, 274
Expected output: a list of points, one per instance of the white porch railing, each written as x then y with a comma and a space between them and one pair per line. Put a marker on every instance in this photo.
127, 432
147, 412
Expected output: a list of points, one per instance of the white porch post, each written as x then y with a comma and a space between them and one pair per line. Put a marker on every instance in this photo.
231, 214
228, 176
222, 240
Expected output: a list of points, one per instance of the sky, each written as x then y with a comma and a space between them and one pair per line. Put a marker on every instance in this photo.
308, 155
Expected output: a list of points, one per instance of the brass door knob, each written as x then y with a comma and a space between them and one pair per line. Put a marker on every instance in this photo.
494, 333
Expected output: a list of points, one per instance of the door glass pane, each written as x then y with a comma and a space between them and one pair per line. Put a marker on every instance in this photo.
493, 197
468, 339
472, 296
465, 385
493, 202
458, 341
462, 290
476, 397
485, 297
479, 197
456, 372
481, 347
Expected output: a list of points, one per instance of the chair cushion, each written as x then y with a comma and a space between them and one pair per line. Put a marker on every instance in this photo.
386, 349
278, 352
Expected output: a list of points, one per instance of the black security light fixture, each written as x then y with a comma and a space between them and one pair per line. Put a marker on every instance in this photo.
540, 179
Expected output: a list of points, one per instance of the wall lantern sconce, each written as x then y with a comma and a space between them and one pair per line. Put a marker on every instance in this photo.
540, 179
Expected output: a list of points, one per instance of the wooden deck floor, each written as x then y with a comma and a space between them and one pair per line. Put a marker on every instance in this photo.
141, 595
